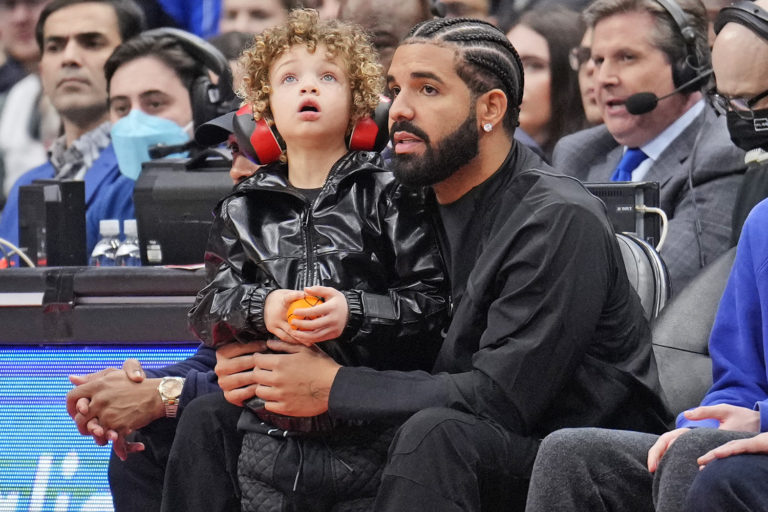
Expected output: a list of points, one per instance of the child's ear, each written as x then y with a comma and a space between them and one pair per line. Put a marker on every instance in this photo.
491, 107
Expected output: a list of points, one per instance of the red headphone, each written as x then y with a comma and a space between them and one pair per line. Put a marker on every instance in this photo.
262, 143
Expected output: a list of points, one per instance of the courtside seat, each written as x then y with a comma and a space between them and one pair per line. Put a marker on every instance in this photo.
681, 336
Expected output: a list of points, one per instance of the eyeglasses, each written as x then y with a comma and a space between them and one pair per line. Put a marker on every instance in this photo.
742, 106
579, 56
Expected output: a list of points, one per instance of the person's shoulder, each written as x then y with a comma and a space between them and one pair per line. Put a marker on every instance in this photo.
581, 153
714, 150
42, 171
593, 139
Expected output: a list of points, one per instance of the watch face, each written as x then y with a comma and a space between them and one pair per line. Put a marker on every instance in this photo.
171, 387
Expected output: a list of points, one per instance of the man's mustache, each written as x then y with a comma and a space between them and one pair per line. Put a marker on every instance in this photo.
407, 126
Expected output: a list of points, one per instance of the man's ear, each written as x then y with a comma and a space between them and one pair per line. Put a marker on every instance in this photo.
491, 107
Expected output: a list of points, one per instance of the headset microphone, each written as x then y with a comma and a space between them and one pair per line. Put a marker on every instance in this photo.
644, 102
162, 151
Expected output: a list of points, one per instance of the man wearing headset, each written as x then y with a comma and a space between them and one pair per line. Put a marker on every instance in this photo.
76, 37
591, 469
660, 47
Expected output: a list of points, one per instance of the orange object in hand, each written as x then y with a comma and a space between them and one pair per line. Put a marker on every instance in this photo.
307, 302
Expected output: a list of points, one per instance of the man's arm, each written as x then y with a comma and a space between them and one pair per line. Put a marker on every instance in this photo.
565, 272
736, 344
699, 226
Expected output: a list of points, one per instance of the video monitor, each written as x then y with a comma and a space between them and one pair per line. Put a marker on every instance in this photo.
174, 208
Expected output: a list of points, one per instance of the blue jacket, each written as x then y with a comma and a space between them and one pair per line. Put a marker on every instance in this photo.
108, 195
738, 343
198, 372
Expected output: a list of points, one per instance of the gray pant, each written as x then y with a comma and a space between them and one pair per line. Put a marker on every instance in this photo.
606, 470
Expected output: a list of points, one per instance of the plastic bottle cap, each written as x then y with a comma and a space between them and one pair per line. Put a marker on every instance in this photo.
109, 227
129, 228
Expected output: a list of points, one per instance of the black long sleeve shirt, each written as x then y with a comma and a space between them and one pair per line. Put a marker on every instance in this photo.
546, 331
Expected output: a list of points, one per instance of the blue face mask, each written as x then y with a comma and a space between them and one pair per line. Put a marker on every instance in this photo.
134, 134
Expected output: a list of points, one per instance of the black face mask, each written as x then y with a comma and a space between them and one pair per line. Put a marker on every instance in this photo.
749, 134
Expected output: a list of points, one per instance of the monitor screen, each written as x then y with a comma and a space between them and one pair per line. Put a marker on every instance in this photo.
45, 464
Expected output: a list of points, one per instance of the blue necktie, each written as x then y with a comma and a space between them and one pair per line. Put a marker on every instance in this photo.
629, 162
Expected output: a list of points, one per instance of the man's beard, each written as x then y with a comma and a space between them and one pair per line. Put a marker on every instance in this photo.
440, 162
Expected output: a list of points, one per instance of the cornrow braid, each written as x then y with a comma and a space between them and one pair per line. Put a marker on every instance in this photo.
487, 60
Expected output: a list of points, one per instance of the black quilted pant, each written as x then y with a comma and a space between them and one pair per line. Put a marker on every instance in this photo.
336, 471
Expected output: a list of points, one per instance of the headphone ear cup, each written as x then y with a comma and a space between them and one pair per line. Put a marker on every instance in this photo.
200, 93
371, 133
257, 140
683, 72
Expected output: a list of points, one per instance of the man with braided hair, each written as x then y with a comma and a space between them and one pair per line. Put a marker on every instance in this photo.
545, 330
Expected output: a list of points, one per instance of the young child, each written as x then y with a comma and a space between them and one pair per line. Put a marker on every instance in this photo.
327, 222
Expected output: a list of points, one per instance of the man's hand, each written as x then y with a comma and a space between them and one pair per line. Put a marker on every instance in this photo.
296, 382
661, 446
234, 363
328, 319
731, 417
757, 444
111, 403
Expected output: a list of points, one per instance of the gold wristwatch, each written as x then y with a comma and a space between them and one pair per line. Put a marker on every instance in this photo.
170, 391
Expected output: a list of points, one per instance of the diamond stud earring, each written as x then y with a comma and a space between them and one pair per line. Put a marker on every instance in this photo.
487, 127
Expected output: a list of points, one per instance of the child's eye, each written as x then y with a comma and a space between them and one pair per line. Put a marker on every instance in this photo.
328, 77
289, 79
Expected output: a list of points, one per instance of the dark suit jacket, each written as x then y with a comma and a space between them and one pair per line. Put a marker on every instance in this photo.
699, 220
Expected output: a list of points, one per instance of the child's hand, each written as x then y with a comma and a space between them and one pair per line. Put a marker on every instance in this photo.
328, 319
275, 310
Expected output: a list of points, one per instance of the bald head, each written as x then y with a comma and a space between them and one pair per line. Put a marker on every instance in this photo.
740, 61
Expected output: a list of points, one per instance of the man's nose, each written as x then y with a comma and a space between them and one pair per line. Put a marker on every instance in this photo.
71, 54
606, 74
400, 109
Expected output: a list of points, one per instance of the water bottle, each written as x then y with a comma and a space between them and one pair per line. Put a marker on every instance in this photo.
128, 253
103, 254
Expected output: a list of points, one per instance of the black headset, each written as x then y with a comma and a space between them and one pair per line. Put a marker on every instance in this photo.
745, 13
687, 68
208, 100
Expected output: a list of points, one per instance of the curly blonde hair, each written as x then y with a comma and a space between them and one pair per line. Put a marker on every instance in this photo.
304, 27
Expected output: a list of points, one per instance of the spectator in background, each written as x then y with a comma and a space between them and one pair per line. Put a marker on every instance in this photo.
478, 9
551, 105
76, 37
581, 62
683, 145
738, 83
387, 21
231, 45
28, 123
253, 16
17, 40
327, 9
200, 17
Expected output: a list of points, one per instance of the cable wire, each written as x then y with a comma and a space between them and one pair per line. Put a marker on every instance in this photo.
15, 250
664, 222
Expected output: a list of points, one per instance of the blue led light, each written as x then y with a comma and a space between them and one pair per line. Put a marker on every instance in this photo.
45, 464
